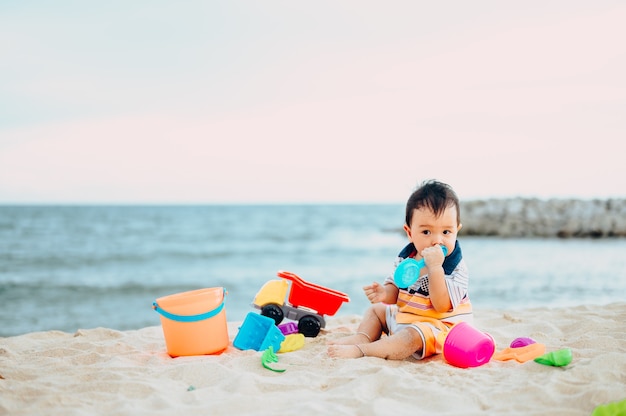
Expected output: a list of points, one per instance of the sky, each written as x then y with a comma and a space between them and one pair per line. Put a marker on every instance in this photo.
310, 102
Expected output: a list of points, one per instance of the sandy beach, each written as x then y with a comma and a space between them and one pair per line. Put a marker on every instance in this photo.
104, 371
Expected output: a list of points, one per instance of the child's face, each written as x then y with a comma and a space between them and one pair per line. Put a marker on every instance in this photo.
427, 230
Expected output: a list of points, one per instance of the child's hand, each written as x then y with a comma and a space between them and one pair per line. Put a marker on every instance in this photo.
433, 256
374, 292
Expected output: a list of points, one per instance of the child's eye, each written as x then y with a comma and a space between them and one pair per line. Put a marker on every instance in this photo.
426, 232
447, 232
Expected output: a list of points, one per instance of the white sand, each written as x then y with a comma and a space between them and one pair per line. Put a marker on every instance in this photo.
108, 372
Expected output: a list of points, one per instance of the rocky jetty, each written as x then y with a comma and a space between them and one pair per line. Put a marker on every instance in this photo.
530, 217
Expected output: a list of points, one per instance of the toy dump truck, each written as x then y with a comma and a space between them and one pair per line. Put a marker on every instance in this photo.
307, 303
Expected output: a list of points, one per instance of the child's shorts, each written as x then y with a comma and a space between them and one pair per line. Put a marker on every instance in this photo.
432, 332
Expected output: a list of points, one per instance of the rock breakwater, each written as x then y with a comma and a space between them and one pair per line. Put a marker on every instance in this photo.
530, 217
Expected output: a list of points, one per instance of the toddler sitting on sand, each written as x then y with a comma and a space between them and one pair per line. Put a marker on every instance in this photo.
415, 317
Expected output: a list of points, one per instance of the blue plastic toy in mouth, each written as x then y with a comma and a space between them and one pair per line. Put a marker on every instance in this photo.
408, 271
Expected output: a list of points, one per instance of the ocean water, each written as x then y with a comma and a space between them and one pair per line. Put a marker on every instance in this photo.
70, 267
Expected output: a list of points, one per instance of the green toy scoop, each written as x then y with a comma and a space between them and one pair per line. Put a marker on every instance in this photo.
559, 358
269, 357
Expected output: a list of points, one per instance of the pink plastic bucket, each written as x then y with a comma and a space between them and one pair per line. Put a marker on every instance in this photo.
465, 346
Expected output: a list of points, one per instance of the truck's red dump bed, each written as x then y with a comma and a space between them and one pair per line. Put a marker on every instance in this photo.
321, 299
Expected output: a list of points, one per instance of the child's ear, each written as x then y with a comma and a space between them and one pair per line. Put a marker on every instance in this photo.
459, 227
407, 230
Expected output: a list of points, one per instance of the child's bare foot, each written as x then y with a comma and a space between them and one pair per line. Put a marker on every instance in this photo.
345, 351
358, 338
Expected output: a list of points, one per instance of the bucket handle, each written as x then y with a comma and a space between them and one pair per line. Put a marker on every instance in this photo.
188, 318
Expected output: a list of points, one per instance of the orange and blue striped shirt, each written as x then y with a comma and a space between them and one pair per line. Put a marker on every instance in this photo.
414, 301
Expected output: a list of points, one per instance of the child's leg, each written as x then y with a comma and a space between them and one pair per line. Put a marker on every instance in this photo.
370, 329
398, 346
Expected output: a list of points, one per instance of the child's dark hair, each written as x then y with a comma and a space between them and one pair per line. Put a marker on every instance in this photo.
435, 195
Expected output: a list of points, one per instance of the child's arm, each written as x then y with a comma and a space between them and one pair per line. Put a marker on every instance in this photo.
387, 293
437, 288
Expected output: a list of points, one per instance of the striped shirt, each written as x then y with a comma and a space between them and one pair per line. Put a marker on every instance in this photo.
414, 300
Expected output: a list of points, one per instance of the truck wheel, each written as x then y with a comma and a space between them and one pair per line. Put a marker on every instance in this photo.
309, 326
273, 311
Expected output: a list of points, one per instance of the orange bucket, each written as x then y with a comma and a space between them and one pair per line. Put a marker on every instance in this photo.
194, 322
